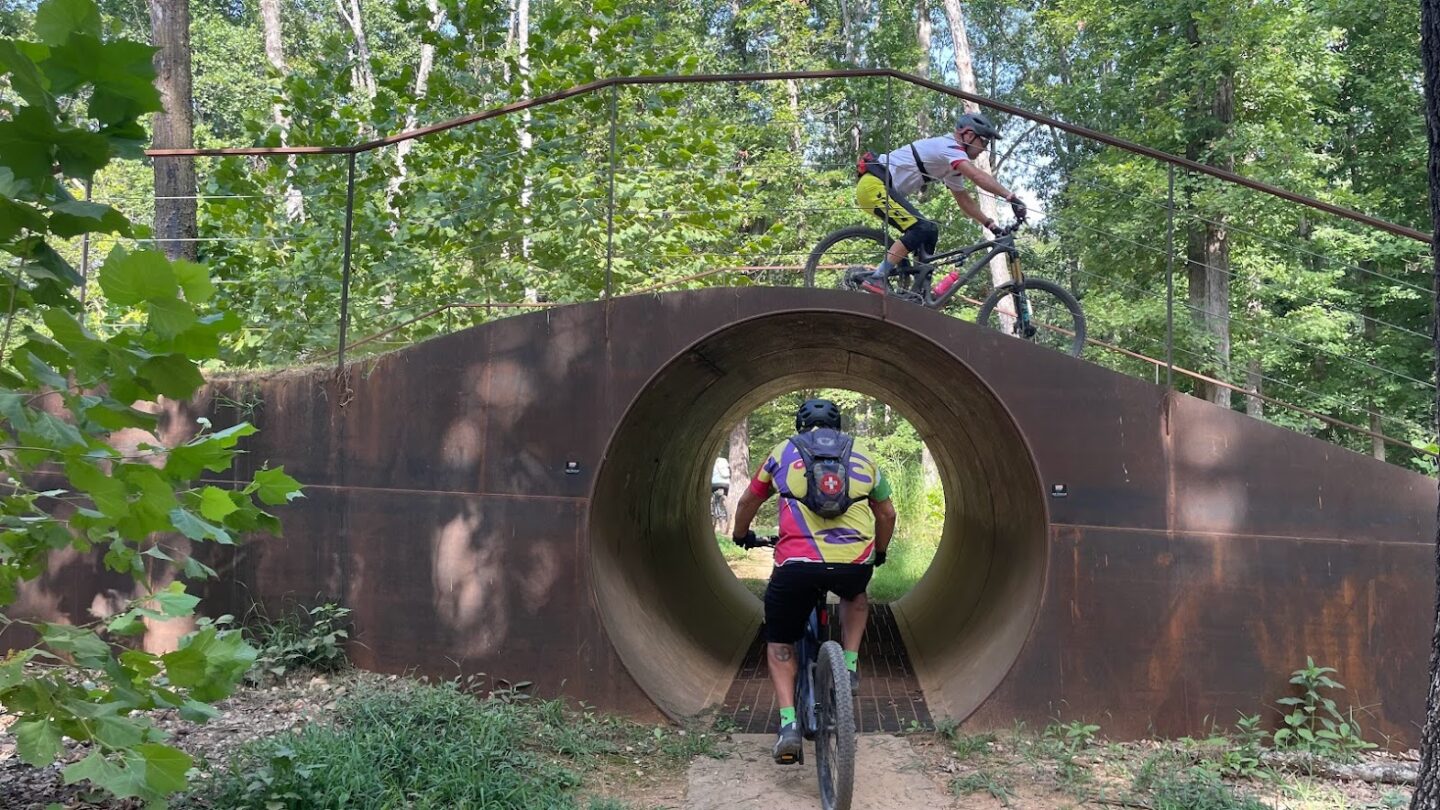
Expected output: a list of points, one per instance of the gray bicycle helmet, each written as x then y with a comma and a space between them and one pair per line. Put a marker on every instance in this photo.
979, 124
815, 413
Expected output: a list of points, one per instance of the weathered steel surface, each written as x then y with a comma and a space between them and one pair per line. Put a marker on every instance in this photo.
1198, 557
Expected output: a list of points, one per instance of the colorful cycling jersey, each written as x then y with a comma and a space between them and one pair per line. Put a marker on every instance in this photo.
942, 158
807, 537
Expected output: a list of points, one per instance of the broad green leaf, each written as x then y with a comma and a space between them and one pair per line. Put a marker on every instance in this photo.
216, 503
165, 767
86, 647
195, 280
25, 77
172, 375
126, 624
109, 494
74, 217
56, 20
106, 774
129, 279
174, 602
275, 487
197, 712
37, 740
170, 316
212, 452
12, 669
16, 216
209, 663
197, 529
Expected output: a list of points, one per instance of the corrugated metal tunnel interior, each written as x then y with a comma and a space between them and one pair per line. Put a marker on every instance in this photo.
681, 621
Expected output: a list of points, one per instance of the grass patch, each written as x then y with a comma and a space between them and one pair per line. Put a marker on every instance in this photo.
982, 781
420, 745
1169, 782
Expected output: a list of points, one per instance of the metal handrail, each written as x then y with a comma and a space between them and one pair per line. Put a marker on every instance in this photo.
731, 78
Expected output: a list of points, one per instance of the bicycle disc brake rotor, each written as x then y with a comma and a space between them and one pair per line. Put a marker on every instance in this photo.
853, 276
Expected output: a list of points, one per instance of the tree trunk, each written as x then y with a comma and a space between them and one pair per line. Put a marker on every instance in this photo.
1208, 262
1427, 787
965, 73
737, 452
924, 30
364, 74
422, 86
522, 43
1208, 249
275, 55
175, 228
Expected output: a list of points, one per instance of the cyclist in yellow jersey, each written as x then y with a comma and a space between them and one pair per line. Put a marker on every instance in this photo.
815, 554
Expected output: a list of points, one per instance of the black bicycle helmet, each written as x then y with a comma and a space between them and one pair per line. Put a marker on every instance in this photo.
979, 124
817, 413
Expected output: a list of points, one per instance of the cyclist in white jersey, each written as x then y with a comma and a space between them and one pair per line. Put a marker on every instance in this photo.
887, 180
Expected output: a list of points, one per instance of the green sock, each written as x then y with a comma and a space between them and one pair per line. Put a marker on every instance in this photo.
787, 715
852, 660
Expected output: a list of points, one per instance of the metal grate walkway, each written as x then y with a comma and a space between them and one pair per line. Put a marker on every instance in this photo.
890, 698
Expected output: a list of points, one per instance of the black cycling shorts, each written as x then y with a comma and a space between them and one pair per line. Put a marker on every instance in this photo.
795, 588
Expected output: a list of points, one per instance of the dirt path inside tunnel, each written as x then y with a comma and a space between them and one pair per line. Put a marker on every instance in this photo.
888, 777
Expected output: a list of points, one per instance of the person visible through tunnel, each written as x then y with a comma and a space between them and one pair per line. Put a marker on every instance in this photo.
836, 520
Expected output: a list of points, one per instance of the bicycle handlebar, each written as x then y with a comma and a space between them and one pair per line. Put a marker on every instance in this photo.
751, 540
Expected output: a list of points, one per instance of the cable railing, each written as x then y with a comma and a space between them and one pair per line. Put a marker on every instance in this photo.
588, 210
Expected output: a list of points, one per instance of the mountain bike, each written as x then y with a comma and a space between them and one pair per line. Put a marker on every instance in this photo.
824, 706
719, 514
1027, 307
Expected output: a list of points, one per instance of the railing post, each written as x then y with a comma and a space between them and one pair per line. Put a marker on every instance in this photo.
85, 254
610, 203
1170, 284
345, 277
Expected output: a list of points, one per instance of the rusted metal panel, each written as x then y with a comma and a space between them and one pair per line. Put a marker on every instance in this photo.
1233, 473
1150, 632
1197, 557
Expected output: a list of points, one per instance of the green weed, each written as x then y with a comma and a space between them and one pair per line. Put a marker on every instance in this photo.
982, 781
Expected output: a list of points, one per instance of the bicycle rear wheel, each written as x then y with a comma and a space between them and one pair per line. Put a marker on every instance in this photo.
831, 260
1055, 319
835, 738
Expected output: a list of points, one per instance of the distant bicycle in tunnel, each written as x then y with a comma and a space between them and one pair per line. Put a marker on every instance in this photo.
825, 706
1030, 308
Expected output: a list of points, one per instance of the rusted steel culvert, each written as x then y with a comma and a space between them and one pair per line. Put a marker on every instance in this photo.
681, 621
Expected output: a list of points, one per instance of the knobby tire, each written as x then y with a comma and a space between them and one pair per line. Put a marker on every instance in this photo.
835, 740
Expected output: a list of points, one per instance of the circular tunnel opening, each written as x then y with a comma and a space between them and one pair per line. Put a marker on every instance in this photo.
887, 436
681, 622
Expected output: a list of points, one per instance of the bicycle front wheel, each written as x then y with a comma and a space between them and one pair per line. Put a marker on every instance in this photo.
830, 262
1039, 311
835, 738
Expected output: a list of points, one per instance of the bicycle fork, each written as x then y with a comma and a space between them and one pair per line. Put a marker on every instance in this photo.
1024, 321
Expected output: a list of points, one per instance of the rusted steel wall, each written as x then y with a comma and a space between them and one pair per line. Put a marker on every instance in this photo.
1197, 559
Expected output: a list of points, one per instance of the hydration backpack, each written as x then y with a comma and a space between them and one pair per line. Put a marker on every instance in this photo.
826, 455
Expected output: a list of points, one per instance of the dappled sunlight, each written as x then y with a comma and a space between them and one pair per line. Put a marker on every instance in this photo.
467, 580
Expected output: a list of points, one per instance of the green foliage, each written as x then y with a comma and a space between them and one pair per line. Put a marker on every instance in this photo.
1075, 736
438, 746
1312, 722
1172, 785
982, 781
75, 102
300, 640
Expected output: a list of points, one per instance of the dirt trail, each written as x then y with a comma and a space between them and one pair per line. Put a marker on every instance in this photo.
888, 777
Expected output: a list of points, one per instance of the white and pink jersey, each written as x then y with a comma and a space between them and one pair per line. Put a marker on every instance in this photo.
942, 157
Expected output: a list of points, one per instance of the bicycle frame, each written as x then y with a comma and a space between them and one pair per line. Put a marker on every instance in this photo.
807, 651
1001, 245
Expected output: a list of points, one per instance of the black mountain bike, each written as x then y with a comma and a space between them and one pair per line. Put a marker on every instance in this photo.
824, 706
1032, 308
